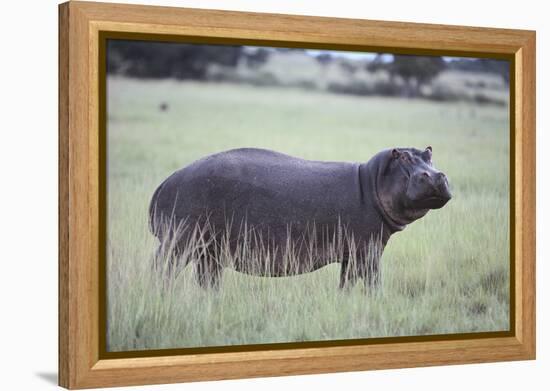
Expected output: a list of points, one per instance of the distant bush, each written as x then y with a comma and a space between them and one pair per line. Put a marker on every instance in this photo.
475, 84
386, 88
263, 79
485, 99
356, 88
445, 94
307, 84
483, 65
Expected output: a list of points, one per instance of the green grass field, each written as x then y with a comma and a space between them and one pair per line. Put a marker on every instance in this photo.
446, 273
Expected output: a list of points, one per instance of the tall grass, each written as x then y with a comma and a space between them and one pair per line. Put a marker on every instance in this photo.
249, 248
446, 273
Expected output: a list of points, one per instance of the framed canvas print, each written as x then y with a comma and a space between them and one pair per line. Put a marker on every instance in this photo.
247, 195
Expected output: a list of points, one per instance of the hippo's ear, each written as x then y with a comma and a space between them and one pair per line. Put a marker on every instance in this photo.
395, 153
427, 154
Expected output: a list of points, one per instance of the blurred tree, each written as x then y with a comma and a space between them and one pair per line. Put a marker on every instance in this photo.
415, 71
324, 58
286, 50
257, 58
163, 60
349, 67
377, 63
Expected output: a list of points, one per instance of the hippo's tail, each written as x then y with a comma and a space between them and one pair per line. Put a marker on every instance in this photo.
154, 213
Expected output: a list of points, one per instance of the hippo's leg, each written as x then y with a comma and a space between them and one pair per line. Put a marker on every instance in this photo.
347, 282
348, 271
208, 270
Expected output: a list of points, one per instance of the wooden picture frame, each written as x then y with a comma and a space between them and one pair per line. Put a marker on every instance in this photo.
81, 25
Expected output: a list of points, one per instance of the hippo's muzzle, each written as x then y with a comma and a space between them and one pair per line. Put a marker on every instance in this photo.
442, 192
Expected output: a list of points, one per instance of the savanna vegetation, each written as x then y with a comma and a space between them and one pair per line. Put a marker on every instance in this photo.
447, 273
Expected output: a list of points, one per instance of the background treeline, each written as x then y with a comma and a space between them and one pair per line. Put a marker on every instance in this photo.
429, 77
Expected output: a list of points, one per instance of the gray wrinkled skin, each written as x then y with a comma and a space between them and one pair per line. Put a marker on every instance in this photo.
319, 212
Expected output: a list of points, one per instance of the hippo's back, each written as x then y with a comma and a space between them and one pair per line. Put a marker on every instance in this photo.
260, 186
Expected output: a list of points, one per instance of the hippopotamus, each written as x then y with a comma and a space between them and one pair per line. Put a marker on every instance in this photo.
266, 213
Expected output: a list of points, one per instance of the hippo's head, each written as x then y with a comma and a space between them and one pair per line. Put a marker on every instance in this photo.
408, 185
